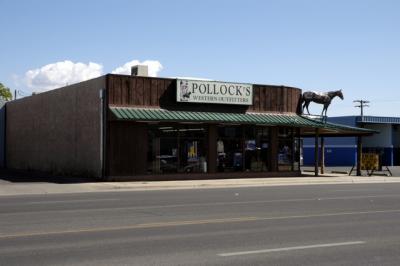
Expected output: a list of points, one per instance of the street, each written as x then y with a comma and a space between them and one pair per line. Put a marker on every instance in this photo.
285, 225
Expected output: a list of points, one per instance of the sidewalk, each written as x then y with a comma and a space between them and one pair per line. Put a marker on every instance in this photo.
41, 188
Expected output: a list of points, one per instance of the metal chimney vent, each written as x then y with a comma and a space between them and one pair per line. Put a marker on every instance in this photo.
140, 70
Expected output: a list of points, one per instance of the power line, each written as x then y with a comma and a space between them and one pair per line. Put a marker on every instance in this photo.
21, 93
362, 105
386, 101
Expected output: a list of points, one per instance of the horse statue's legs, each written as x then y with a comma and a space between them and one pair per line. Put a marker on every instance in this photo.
304, 106
325, 109
307, 103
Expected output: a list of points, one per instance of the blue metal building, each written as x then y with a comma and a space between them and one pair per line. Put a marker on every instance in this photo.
343, 151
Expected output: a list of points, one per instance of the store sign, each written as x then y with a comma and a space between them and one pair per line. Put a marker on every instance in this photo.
199, 91
370, 161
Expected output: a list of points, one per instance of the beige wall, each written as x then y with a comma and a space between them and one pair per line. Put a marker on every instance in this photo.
57, 131
383, 139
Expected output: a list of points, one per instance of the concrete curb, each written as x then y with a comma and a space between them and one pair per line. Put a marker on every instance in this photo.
14, 189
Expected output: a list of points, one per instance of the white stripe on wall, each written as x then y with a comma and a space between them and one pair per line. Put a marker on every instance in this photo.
349, 146
332, 146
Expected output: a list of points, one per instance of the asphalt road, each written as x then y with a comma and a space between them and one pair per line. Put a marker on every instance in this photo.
294, 225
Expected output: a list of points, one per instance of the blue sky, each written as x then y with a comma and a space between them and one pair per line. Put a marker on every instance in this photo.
314, 45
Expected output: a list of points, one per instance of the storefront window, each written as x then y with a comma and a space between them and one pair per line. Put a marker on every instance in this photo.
256, 149
163, 149
230, 149
176, 149
242, 148
192, 149
297, 150
285, 149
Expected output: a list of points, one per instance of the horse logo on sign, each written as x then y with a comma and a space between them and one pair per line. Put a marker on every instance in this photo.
184, 90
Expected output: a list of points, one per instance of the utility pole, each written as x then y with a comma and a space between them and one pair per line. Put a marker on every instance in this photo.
362, 104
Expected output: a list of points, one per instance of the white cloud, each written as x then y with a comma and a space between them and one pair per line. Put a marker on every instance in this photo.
154, 67
59, 74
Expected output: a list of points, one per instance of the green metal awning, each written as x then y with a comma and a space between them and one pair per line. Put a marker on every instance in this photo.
307, 125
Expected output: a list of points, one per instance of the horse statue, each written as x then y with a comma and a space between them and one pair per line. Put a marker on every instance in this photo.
321, 98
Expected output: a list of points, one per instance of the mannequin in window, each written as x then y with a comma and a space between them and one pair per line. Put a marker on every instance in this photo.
220, 147
264, 155
221, 155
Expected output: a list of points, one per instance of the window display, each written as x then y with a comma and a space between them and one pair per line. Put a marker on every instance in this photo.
229, 149
297, 152
256, 149
179, 148
285, 149
176, 149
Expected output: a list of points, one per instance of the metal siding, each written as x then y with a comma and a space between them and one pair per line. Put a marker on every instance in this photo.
332, 141
336, 156
378, 120
387, 158
344, 120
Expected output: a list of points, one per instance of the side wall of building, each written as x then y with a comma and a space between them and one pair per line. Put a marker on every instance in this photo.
382, 142
2, 132
334, 156
396, 144
57, 131
383, 139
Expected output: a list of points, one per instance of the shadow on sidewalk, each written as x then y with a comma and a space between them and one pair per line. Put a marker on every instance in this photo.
14, 176
345, 170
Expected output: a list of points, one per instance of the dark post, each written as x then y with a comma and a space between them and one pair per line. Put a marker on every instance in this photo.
322, 155
316, 153
359, 155
212, 149
273, 150
141, 147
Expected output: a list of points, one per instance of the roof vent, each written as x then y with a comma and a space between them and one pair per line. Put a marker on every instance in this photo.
140, 70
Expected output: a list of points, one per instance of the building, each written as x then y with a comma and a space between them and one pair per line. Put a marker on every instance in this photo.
343, 151
2, 132
144, 128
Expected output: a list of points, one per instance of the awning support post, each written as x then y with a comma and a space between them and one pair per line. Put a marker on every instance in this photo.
359, 155
322, 162
316, 152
